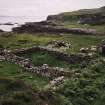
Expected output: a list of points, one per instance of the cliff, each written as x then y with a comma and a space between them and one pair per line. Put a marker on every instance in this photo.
85, 16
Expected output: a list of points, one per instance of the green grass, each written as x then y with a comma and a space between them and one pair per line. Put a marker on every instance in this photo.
89, 87
13, 71
28, 40
16, 92
78, 90
98, 28
39, 58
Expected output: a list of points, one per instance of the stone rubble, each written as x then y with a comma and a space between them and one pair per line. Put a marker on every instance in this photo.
89, 51
59, 45
45, 70
57, 74
56, 82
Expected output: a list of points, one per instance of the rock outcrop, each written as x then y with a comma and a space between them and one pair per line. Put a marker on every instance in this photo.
1, 31
44, 27
86, 16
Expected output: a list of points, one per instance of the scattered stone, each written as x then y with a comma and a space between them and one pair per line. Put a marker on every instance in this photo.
56, 82
59, 45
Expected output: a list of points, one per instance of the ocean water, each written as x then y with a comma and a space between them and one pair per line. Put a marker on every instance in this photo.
17, 21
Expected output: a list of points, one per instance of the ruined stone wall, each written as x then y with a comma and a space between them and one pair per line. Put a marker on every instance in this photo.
44, 70
71, 59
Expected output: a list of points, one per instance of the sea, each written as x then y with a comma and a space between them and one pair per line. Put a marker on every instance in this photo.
8, 22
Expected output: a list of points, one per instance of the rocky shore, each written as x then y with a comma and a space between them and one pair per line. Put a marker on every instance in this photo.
47, 27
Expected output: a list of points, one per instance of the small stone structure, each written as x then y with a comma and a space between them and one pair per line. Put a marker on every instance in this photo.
72, 58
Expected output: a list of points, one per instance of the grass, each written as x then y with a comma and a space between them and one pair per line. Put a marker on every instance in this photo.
39, 58
88, 89
98, 28
28, 40
16, 92
13, 71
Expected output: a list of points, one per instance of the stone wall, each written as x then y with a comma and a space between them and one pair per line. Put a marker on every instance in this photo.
71, 59
45, 70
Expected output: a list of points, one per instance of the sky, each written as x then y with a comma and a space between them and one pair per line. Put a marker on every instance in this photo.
45, 7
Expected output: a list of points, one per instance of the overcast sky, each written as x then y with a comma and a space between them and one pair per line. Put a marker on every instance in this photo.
44, 7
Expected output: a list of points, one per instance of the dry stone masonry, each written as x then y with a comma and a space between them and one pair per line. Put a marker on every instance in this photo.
44, 70
71, 59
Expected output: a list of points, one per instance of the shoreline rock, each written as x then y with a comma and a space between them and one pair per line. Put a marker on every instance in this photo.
46, 27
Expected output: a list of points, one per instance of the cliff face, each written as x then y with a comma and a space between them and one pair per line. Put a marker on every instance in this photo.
86, 16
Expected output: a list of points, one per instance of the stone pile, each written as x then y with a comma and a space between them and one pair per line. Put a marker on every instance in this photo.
59, 45
72, 58
89, 51
56, 82
44, 70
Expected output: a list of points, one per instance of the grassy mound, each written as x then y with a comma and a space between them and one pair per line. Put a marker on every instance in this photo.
13, 71
15, 92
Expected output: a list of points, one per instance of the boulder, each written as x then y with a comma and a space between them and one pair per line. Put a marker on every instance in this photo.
1, 31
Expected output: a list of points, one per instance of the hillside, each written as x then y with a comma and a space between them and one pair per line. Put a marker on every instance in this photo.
88, 16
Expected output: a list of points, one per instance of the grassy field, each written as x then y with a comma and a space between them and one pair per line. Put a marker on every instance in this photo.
87, 89
27, 40
39, 58
13, 71
98, 28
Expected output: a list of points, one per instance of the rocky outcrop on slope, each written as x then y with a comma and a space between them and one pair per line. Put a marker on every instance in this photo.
85, 16
44, 27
